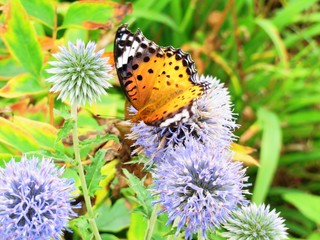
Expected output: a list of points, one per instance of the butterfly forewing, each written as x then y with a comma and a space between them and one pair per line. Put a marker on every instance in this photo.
134, 54
175, 76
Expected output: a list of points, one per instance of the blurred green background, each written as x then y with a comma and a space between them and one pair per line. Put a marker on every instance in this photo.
266, 52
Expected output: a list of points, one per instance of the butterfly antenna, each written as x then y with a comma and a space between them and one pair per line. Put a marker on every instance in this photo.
109, 116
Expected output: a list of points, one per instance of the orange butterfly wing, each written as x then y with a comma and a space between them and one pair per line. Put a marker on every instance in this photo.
161, 83
132, 52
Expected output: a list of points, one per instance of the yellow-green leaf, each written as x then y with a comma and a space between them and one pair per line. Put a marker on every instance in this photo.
40, 10
242, 154
44, 133
108, 170
20, 38
138, 226
113, 218
10, 68
22, 85
83, 12
95, 14
5, 157
17, 137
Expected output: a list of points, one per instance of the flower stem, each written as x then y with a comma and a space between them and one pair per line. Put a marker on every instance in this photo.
200, 237
94, 228
175, 223
151, 223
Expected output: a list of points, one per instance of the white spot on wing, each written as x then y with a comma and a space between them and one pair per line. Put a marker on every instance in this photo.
124, 36
133, 49
183, 116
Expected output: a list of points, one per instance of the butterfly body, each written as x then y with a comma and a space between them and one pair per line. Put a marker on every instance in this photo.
161, 83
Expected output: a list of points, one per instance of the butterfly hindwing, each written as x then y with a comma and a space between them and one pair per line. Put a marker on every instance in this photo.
178, 108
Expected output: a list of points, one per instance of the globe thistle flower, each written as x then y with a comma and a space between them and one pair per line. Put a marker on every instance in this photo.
79, 73
212, 123
35, 203
255, 223
199, 187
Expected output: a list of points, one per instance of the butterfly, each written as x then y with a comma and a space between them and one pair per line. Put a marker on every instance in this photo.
161, 83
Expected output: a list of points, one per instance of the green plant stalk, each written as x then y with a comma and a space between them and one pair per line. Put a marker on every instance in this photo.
175, 224
186, 21
85, 191
200, 237
151, 223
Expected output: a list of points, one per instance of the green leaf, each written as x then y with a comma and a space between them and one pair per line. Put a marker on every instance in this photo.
72, 174
300, 157
79, 13
40, 10
10, 68
57, 155
302, 102
314, 236
22, 85
143, 194
106, 236
99, 140
303, 117
17, 137
21, 40
63, 112
308, 204
82, 226
138, 226
115, 218
269, 153
73, 34
65, 130
93, 172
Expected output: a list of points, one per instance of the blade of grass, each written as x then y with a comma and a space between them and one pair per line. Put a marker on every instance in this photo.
274, 35
269, 154
187, 19
299, 200
176, 10
283, 18
154, 16
305, 34
228, 69
288, 13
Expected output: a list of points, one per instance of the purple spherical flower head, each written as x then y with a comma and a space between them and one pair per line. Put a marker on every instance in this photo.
35, 203
199, 186
212, 123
